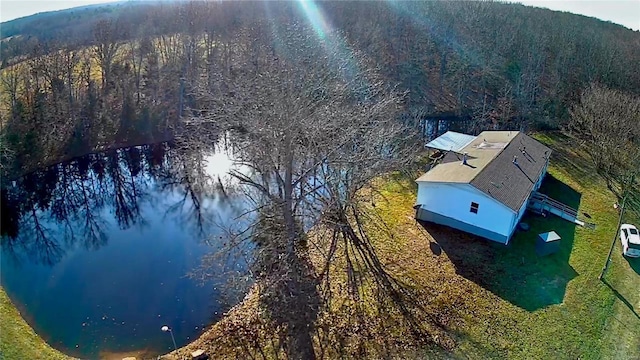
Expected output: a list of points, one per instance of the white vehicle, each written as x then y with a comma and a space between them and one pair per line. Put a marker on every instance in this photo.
630, 239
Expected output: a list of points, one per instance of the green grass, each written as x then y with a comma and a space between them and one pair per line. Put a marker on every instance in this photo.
17, 338
611, 307
482, 300
487, 300
506, 302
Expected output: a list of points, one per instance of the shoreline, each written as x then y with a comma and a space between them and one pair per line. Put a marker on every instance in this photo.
470, 304
244, 311
18, 340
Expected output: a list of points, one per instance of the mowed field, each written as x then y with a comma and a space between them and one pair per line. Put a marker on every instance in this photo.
505, 301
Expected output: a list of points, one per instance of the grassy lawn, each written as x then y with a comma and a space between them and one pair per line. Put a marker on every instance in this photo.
17, 338
507, 302
618, 302
471, 297
474, 298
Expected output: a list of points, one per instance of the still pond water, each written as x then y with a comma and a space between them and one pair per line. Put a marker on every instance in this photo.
95, 251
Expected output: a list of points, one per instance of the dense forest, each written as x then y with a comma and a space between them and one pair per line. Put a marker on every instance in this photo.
84, 79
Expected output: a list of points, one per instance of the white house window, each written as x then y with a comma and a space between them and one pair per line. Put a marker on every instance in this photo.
474, 207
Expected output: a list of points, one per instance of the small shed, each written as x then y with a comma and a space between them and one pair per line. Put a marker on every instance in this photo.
547, 243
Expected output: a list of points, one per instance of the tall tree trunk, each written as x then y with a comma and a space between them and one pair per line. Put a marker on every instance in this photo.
288, 197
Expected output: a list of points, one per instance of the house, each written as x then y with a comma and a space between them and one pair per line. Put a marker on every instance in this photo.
482, 184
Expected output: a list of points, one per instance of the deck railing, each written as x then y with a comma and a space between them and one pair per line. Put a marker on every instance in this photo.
551, 203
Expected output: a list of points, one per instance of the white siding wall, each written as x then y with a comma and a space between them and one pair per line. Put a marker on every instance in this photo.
536, 186
516, 219
454, 201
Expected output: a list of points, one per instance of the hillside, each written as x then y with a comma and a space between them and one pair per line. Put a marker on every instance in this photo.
71, 27
133, 65
52, 25
328, 106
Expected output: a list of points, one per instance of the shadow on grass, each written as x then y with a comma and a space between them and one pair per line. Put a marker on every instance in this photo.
560, 191
634, 264
622, 298
515, 272
570, 157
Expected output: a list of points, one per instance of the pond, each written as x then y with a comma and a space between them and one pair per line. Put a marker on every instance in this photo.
96, 250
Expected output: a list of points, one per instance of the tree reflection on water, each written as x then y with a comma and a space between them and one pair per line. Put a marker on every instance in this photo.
49, 211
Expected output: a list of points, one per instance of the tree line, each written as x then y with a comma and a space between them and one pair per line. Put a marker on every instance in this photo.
132, 73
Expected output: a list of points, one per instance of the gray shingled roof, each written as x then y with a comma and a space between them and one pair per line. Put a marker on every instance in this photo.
509, 183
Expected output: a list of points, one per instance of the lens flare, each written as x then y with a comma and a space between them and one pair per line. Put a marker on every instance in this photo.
337, 51
437, 30
316, 18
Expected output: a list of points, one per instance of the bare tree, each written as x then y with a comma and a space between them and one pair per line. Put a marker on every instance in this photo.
607, 121
10, 81
106, 48
315, 124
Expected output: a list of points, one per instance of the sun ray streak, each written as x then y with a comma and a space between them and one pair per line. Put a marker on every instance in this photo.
338, 51
316, 18
418, 15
